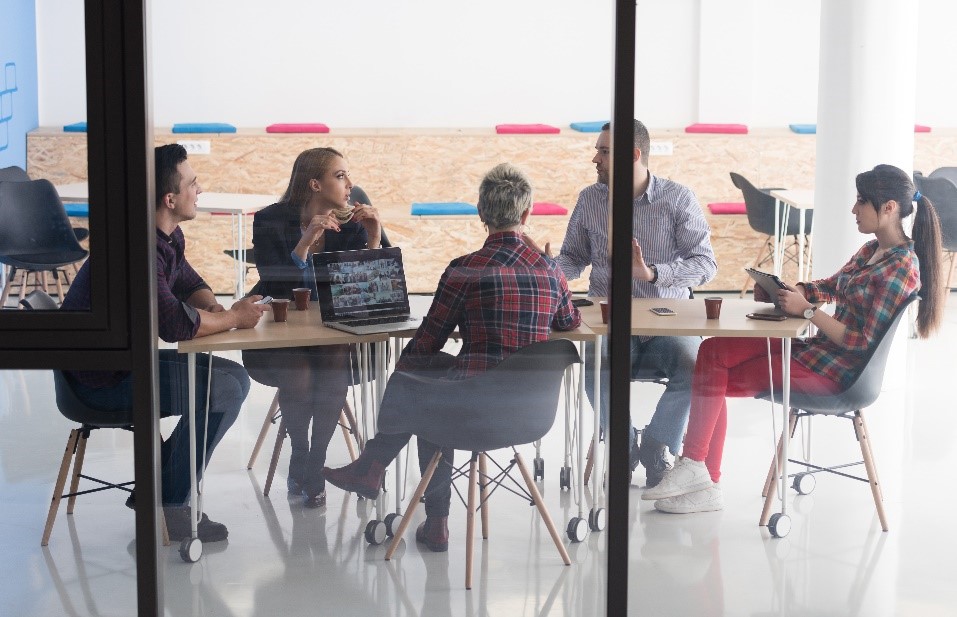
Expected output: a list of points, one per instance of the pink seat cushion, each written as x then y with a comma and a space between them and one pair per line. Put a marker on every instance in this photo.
716, 128
920, 128
722, 207
315, 127
546, 208
515, 129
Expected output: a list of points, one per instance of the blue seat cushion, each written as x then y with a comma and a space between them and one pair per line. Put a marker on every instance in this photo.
803, 129
588, 127
203, 127
437, 208
81, 210
76, 127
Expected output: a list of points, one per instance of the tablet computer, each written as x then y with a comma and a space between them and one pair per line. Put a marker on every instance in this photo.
768, 282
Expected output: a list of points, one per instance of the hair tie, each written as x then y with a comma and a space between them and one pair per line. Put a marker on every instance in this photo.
917, 195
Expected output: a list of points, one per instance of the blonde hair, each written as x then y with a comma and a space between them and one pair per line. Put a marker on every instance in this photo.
310, 164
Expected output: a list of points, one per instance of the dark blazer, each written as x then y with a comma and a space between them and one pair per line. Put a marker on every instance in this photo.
276, 233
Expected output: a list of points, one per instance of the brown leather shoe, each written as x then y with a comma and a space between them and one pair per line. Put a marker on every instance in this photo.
434, 533
349, 478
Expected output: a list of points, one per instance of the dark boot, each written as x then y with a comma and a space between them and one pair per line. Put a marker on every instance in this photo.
295, 479
434, 533
362, 477
653, 455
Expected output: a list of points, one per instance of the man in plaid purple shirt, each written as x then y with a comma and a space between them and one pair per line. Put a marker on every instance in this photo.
187, 309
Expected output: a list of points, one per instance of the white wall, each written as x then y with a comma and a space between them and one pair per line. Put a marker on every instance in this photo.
442, 63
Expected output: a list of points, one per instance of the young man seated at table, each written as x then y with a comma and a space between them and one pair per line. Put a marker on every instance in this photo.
186, 309
502, 297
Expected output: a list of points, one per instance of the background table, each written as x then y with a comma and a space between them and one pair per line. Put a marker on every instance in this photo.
803, 200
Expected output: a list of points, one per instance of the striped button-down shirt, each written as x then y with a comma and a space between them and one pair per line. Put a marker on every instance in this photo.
670, 227
867, 298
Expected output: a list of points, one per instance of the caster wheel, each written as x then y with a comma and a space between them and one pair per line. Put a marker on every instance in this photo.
804, 483
779, 525
577, 529
597, 518
191, 549
565, 478
539, 469
392, 522
375, 533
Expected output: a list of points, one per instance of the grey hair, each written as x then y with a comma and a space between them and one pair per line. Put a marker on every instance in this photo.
504, 195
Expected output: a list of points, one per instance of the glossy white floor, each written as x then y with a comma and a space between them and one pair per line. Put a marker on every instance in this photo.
283, 560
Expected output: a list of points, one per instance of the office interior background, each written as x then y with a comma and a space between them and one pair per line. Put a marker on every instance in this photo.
425, 65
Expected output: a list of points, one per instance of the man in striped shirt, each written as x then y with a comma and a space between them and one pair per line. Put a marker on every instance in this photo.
671, 253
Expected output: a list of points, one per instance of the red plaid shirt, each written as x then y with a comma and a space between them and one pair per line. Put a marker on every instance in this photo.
502, 298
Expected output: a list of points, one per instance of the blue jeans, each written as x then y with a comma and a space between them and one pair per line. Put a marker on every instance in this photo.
230, 386
673, 357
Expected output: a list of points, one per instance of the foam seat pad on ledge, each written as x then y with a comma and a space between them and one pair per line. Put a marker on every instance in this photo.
519, 129
588, 127
803, 129
545, 208
79, 210
727, 208
76, 127
439, 208
737, 129
301, 127
921, 128
203, 127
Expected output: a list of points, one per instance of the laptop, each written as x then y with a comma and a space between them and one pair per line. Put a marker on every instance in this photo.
364, 291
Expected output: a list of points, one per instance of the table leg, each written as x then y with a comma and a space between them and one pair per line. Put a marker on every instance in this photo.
581, 427
596, 470
193, 486
241, 254
785, 414
776, 245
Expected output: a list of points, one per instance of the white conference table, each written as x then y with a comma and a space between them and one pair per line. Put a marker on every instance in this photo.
690, 320
802, 200
236, 205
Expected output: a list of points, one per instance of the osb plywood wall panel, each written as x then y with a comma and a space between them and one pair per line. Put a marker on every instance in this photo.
398, 167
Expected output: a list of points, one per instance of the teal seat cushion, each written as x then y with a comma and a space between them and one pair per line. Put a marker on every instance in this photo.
438, 208
76, 127
803, 129
80, 210
203, 127
588, 127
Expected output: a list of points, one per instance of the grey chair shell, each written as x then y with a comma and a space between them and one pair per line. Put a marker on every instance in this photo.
514, 403
38, 300
760, 209
944, 172
18, 174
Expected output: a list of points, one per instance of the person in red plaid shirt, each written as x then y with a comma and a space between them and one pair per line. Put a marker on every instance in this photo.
502, 297
867, 293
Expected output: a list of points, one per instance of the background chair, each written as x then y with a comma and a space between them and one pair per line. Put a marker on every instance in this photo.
760, 209
848, 404
17, 174
36, 235
514, 403
944, 172
943, 193
89, 420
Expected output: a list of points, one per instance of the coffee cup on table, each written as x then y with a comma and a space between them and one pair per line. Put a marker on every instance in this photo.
279, 309
712, 307
604, 311
301, 294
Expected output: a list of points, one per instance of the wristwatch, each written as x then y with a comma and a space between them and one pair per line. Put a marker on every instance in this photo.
654, 269
809, 312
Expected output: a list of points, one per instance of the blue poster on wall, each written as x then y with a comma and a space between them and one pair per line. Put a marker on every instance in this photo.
19, 108
7, 88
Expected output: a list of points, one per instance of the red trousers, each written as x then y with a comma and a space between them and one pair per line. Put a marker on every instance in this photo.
735, 367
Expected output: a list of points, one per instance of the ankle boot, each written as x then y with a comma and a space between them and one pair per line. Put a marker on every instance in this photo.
654, 456
434, 533
362, 477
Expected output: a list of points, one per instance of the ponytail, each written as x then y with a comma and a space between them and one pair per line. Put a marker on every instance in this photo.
927, 245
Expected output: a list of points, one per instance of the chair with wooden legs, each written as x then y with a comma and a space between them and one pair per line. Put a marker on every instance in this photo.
848, 404
512, 404
347, 422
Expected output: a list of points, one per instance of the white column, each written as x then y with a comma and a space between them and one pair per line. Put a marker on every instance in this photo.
725, 73
865, 116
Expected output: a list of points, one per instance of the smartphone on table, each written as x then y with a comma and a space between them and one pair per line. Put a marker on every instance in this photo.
767, 316
663, 312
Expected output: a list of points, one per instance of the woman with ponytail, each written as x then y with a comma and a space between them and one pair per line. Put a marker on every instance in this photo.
867, 293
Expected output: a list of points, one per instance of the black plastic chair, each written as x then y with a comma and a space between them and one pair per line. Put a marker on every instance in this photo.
849, 405
512, 404
944, 172
942, 191
18, 174
760, 209
36, 235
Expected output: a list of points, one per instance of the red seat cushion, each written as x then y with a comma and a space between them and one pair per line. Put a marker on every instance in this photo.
716, 128
725, 207
515, 129
920, 128
301, 127
546, 208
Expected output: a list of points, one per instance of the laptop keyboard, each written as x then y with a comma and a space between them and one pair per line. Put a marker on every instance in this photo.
374, 321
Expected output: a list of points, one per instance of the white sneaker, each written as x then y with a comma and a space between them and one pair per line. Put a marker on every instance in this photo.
687, 476
705, 500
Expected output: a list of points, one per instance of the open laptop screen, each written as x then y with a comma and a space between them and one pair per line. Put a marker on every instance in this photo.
363, 283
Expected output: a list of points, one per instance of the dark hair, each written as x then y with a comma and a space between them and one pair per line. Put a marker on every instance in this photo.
885, 183
310, 164
642, 139
168, 158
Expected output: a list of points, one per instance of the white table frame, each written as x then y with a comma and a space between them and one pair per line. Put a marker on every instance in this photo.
802, 200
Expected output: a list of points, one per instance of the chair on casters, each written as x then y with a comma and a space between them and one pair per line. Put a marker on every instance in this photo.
848, 404
90, 420
760, 209
514, 403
